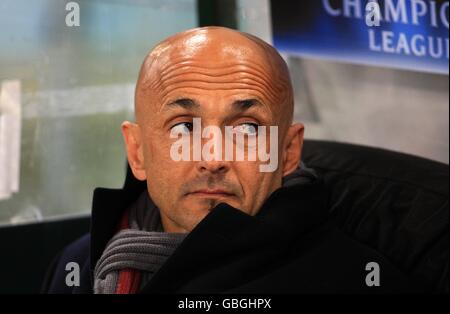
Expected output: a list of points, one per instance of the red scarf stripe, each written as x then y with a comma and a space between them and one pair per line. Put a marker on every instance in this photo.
129, 279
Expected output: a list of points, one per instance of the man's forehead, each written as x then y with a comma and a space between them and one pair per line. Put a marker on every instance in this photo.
214, 52
208, 45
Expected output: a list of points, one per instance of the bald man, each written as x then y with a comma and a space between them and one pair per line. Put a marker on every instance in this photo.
207, 222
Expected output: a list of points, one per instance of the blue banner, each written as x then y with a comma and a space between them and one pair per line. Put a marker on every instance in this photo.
404, 34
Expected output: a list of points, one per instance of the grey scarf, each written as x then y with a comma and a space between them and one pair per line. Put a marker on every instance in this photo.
145, 247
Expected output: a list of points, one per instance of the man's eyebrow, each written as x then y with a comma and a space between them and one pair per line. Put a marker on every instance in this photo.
190, 104
185, 103
245, 104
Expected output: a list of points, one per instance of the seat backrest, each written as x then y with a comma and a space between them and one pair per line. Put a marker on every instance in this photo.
393, 202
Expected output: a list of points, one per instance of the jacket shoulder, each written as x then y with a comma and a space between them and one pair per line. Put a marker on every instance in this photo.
76, 252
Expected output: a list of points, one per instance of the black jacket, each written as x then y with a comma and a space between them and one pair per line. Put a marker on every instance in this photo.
290, 246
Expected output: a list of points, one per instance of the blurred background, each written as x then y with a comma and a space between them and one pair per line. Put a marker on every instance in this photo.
65, 90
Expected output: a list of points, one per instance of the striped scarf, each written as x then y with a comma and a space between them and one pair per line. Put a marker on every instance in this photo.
136, 251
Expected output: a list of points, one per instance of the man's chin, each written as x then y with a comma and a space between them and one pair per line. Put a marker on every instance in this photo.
194, 210
193, 218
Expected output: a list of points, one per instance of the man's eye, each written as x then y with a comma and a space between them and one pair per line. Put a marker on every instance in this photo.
182, 128
247, 128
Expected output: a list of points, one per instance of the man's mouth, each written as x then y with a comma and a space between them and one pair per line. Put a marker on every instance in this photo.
211, 193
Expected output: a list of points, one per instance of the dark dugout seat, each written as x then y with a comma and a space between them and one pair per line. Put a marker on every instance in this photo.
395, 203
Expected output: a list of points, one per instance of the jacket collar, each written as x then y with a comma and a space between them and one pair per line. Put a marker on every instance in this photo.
287, 214
108, 206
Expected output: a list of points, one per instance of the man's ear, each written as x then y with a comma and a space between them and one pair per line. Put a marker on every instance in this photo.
293, 148
134, 145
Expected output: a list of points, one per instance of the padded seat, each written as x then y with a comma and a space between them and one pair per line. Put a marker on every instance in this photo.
395, 203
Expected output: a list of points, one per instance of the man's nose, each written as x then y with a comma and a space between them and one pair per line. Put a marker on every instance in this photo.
212, 160
213, 166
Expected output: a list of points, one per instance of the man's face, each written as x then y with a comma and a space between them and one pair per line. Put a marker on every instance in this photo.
224, 83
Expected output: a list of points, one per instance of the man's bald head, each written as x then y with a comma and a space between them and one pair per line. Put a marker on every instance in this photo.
223, 52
